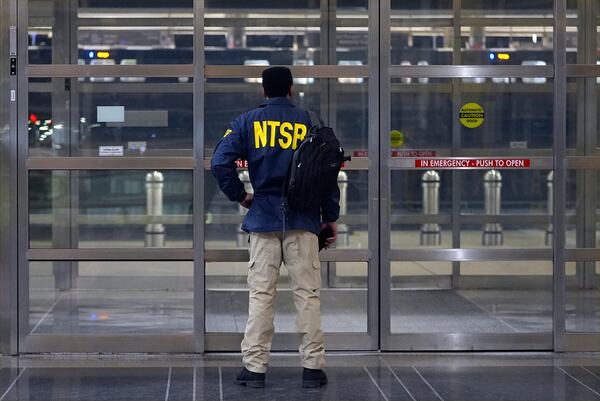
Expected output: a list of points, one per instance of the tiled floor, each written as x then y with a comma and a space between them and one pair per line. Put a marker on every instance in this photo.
408, 377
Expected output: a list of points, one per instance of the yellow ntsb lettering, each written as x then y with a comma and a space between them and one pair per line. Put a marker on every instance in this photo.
260, 134
286, 132
229, 131
278, 133
273, 125
299, 134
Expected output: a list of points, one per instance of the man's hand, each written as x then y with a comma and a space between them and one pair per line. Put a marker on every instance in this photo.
333, 228
247, 202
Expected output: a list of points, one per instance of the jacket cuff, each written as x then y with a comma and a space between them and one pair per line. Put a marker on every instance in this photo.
241, 197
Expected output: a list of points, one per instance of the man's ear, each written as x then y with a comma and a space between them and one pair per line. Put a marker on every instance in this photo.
290, 92
264, 93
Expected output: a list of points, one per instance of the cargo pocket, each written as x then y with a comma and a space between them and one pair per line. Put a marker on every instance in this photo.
249, 280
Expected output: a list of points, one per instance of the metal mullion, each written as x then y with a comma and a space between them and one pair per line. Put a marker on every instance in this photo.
474, 341
559, 125
142, 343
72, 124
374, 288
471, 254
60, 181
516, 21
378, 133
327, 92
324, 44
9, 311
583, 162
468, 71
230, 342
311, 71
198, 162
22, 175
581, 134
149, 13
582, 342
143, 87
330, 255
118, 87
274, 22
116, 254
109, 163
582, 254
456, 139
582, 70
591, 142
140, 70
138, 22
411, 21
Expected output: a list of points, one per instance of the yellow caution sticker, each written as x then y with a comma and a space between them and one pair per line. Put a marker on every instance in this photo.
396, 139
471, 115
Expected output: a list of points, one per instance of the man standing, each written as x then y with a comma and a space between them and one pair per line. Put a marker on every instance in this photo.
267, 137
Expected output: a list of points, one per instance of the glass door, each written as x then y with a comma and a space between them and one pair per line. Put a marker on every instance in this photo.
106, 139
467, 177
326, 44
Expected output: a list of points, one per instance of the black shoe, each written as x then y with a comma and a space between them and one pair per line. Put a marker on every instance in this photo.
250, 379
312, 378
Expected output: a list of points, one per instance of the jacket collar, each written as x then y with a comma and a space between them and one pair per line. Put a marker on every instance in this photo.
284, 101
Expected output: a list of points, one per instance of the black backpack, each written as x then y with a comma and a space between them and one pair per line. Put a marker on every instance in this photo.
313, 172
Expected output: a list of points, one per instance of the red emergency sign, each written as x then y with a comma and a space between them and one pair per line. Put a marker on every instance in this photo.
441, 163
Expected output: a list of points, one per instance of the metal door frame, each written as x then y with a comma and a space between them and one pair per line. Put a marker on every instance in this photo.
8, 181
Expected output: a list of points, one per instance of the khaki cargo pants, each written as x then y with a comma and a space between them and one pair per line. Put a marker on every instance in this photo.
299, 251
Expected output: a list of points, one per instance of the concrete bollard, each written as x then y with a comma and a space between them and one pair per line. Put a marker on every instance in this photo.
550, 229
242, 236
430, 232
492, 185
343, 237
155, 233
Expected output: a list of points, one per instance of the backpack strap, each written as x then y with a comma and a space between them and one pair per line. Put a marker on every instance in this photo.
315, 121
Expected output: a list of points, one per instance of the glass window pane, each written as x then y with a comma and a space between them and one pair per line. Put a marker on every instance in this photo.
110, 297
110, 209
110, 32
263, 32
343, 309
422, 33
88, 116
352, 32
347, 114
490, 297
346, 111
524, 209
517, 114
496, 33
582, 309
224, 218
583, 197
285, 33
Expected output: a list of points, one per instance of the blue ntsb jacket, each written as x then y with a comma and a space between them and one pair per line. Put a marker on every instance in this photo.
266, 137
